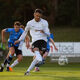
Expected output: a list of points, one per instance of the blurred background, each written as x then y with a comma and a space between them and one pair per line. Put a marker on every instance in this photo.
63, 16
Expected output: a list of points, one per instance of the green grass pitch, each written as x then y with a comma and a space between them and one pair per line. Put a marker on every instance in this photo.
47, 72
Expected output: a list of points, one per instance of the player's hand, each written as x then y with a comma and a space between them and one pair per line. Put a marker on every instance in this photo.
41, 31
16, 42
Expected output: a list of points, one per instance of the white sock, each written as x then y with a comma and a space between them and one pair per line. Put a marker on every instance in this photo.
37, 59
14, 63
38, 55
32, 65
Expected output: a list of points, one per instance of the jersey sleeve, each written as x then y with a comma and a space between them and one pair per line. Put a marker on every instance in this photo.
8, 30
50, 37
22, 37
46, 29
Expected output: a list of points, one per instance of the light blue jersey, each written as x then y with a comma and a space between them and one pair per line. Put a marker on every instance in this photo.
13, 35
48, 40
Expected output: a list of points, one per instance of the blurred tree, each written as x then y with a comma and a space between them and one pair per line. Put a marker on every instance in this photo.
60, 12
78, 9
67, 12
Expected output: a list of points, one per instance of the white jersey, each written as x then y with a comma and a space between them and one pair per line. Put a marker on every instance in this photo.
34, 28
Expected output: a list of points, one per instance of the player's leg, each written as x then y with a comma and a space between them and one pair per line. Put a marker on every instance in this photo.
39, 64
19, 58
16, 61
36, 60
45, 53
8, 58
10, 55
18, 51
37, 46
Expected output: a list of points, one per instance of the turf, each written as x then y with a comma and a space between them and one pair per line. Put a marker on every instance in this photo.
50, 72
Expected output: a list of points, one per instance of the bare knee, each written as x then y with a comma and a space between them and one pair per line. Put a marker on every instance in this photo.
20, 58
11, 51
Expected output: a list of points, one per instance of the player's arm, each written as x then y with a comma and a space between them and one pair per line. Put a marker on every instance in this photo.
46, 29
3, 35
27, 41
53, 44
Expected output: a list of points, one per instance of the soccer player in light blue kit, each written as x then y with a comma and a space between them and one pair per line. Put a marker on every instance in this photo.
20, 48
49, 39
14, 34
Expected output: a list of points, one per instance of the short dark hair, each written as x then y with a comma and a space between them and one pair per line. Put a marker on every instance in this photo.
17, 23
39, 11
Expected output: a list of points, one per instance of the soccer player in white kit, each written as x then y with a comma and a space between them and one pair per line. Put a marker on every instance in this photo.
39, 39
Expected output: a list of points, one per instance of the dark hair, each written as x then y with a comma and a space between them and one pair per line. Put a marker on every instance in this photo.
17, 23
39, 11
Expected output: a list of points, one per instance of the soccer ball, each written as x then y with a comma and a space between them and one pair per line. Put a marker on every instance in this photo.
62, 60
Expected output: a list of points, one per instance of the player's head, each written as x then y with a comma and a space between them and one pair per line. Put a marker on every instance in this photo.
38, 14
17, 26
